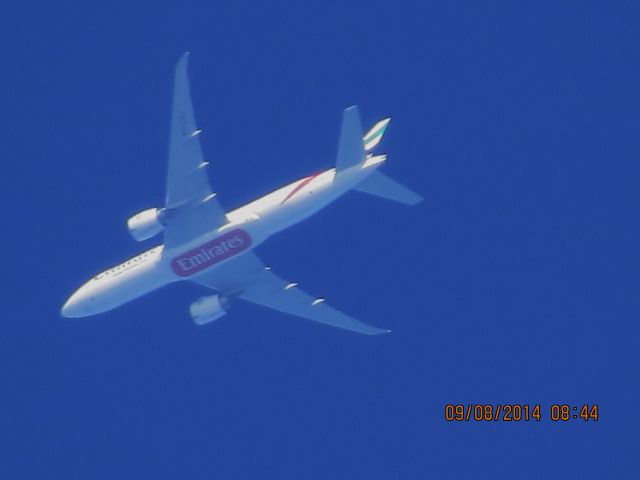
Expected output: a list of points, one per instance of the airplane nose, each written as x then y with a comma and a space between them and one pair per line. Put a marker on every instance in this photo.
73, 308
69, 309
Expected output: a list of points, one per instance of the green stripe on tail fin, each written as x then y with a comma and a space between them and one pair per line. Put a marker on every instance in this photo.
374, 136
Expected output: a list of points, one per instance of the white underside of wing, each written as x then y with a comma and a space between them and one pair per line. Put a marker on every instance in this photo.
273, 292
247, 278
192, 204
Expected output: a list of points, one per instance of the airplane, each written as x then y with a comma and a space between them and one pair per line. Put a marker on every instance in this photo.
210, 247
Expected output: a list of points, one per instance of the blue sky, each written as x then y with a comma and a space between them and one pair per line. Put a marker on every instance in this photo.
515, 281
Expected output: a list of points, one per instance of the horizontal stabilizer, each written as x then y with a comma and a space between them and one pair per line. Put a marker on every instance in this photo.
377, 183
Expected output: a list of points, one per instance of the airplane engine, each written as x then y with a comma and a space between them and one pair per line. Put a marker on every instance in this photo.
145, 224
207, 309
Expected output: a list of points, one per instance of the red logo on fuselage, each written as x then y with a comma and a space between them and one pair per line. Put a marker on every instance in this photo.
210, 253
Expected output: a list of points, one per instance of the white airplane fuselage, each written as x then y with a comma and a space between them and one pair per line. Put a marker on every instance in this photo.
247, 227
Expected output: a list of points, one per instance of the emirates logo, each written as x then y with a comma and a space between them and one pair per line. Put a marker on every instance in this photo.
210, 253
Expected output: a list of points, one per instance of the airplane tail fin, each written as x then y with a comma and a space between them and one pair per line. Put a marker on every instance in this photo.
350, 147
354, 149
377, 183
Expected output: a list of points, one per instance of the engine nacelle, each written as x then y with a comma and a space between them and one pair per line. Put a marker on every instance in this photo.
207, 309
145, 224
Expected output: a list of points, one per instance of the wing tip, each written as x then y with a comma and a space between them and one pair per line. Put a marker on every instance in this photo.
374, 331
382, 331
415, 200
183, 60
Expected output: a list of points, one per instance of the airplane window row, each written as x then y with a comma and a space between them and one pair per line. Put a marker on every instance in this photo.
126, 264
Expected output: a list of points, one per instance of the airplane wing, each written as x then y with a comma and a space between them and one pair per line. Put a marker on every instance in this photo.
191, 206
248, 279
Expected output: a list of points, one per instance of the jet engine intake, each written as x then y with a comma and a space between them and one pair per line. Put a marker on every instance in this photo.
207, 309
146, 224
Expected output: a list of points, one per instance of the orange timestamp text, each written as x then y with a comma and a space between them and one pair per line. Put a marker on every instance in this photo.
513, 412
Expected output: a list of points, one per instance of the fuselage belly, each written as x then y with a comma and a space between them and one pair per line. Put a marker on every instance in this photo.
247, 227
